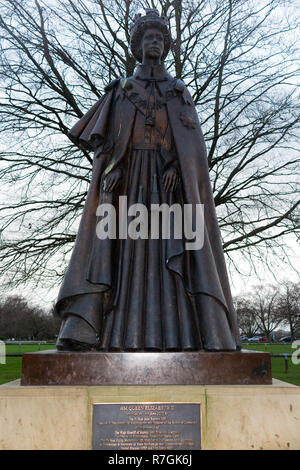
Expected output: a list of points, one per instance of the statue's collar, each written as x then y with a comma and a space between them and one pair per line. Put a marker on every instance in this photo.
148, 72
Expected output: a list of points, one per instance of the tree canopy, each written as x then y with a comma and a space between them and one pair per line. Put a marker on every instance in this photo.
20, 320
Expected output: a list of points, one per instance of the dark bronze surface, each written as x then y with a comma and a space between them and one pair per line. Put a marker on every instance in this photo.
146, 426
138, 368
146, 294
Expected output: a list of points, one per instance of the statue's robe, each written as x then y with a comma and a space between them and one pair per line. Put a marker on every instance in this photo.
107, 130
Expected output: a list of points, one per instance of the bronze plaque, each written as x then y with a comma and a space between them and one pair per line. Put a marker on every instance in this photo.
151, 426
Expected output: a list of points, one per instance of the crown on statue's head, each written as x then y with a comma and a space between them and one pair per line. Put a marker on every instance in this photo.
150, 20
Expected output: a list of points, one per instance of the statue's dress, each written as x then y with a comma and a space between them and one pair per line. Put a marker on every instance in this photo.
152, 309
147, 306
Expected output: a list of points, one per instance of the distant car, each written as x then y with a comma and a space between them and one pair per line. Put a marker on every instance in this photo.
285, 339
244, 338
288, 339
257, 339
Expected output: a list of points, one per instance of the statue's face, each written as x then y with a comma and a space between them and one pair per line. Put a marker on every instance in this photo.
152, 44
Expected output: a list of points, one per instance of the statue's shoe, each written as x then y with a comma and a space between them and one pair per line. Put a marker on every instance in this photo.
76, 335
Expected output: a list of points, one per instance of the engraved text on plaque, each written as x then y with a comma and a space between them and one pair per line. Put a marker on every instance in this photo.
167, 426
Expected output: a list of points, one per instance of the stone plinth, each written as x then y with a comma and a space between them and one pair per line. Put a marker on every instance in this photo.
130, 368
232, 417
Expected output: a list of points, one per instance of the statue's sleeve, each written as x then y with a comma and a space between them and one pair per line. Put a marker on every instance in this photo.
90, 131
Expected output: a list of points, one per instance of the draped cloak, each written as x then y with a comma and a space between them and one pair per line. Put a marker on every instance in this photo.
106, 129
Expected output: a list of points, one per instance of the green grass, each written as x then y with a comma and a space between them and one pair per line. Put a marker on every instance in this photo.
271, 348
15, 349
12, 369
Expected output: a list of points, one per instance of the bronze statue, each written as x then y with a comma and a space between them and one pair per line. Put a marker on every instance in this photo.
146, 294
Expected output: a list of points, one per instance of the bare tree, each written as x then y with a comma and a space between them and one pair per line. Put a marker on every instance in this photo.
240, 61
246, 316
289, 307
264, 303
20, 320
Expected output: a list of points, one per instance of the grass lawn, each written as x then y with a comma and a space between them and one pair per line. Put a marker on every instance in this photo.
12, 369
271, 348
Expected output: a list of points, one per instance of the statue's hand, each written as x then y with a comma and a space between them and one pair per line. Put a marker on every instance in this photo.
170, 179
112, 180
